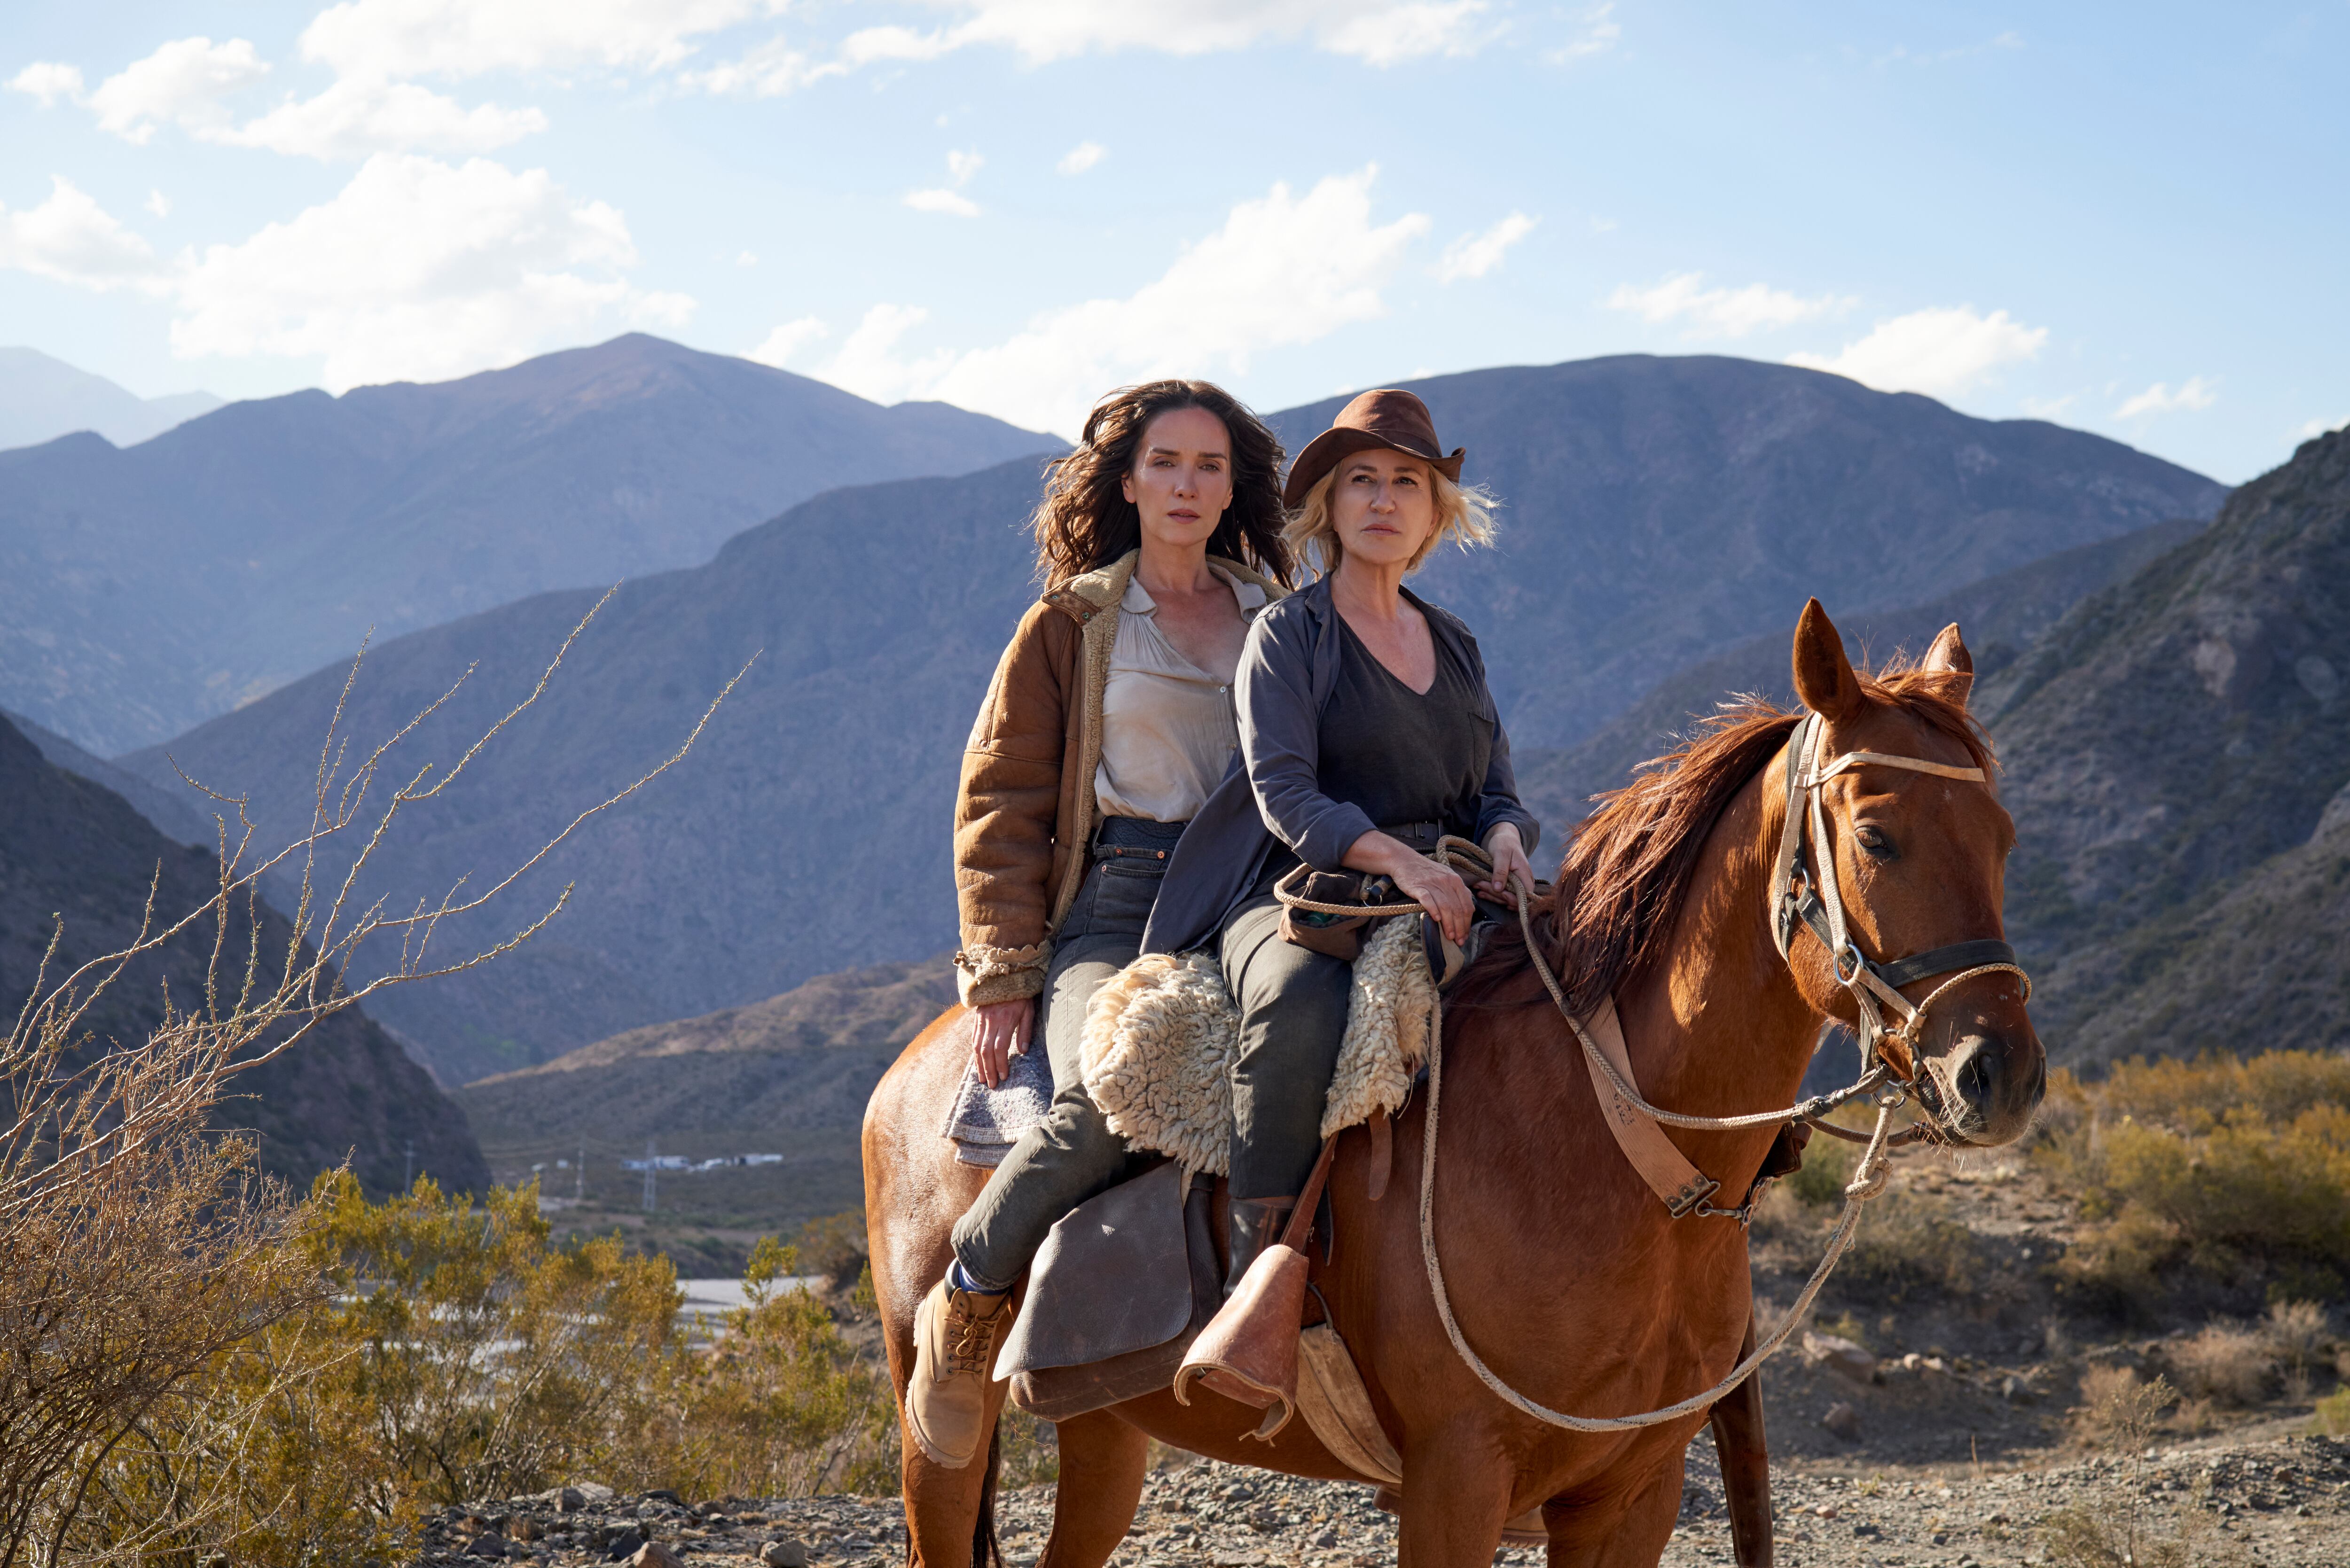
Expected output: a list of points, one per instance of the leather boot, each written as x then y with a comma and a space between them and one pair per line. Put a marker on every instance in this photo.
1256, 1223
955, 1354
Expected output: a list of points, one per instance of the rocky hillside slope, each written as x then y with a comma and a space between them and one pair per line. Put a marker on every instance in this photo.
2001, 615
73, 851
2176, 753
142, 590
801, 1065
1657, 509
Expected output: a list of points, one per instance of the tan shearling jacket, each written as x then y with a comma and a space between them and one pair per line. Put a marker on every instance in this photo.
1025, 812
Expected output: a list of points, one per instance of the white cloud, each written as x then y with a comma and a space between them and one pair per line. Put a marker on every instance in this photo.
419, 269
2193, 393
961, 167
1601, 32
185, 82
159, 203
69, 238
2316, 427
361, 114
1082, 157
398, 38
939, 199
48, 81
1284, 269
1474, 255
1722, 312
1937, 351
778, 347
1376, 32
769, 70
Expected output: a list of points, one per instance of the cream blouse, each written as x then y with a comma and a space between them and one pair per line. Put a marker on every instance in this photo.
1169, 729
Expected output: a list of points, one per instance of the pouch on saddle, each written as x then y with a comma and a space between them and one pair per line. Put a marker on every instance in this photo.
1340, 936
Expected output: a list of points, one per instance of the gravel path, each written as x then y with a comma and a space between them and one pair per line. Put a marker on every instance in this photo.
2282, 1500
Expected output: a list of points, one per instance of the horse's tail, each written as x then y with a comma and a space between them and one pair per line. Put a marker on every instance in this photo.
985, 1550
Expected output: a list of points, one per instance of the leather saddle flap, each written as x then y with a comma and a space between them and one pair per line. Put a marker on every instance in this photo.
1113, 1276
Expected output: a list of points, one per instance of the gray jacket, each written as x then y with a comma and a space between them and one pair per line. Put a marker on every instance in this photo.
1288, 670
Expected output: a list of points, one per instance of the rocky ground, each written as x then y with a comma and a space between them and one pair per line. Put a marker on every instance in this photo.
2273, 1501
1931, 1415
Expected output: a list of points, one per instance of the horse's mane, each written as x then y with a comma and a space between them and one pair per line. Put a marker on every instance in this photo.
1628, 864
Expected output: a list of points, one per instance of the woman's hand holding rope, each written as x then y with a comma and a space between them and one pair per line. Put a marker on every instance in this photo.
1436, 889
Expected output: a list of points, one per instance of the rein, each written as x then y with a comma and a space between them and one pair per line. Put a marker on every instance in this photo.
1871, 984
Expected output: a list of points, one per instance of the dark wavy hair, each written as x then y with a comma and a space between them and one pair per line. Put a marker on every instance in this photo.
1084, 521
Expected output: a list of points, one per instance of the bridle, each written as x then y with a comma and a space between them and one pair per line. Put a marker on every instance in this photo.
1808, 895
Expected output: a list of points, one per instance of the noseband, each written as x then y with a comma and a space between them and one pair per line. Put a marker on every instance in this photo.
1808, 895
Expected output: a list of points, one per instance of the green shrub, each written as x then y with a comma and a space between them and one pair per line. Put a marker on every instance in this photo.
2236, 1170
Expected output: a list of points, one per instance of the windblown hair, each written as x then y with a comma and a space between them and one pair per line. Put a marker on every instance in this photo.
1464, 513
1084, 521
1628, 864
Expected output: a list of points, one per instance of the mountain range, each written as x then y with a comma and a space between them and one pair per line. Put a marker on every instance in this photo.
1658, 511
77, 862
2175, 752
144, 589
42, 398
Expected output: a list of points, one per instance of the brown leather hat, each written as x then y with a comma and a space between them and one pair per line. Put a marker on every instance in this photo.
1387, 418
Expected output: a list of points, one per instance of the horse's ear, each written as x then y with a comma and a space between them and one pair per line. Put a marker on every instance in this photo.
1823, 677
1949, 656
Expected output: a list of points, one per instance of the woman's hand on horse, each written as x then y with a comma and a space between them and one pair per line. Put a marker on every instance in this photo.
1002, 1030
1436, 889
1510, 863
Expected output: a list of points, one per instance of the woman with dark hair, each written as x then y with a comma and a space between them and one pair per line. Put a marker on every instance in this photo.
1110, 721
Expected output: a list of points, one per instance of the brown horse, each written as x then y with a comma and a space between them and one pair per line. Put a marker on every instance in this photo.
1566, 1274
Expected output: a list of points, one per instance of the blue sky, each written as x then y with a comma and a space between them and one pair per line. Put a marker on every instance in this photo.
2125, 218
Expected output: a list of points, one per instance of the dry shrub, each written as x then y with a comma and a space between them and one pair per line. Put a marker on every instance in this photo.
1909, 1245
780, 1405
2121, 1414
160, 1351
2239, 1171
2227, 1365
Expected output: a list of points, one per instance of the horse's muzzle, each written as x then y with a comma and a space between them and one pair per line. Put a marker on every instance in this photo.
1988, 1085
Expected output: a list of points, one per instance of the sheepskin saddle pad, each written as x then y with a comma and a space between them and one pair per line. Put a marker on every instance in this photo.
1161, 1037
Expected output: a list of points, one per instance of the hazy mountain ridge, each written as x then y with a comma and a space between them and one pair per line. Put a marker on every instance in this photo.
42, 397
809, 831
2000, 617
70, 848
142, 590
1681, 505
804, 1061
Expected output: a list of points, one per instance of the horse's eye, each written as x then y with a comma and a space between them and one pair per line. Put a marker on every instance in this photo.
1874, 840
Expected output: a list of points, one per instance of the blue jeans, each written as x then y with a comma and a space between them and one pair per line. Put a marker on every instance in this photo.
1071, 1155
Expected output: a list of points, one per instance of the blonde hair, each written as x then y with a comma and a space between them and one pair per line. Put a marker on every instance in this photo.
1464, 513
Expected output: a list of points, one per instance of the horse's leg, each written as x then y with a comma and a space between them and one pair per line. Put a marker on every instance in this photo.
1635, 1537
913, 1191
1102, 1461
1456, 1501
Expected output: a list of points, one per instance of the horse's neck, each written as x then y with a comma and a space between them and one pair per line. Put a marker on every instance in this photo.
1720, 1027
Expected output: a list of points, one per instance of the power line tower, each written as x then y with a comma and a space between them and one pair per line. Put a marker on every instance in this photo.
649, 1158
408, 1168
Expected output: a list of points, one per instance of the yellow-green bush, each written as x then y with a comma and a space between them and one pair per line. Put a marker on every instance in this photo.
459, 1356
2238, 1170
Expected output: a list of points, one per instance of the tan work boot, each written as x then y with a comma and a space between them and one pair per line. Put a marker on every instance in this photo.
955, 1349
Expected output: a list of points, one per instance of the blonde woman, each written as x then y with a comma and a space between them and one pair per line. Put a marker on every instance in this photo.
1367, 731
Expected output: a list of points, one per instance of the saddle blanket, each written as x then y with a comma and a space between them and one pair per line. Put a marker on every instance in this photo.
1158, 1054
